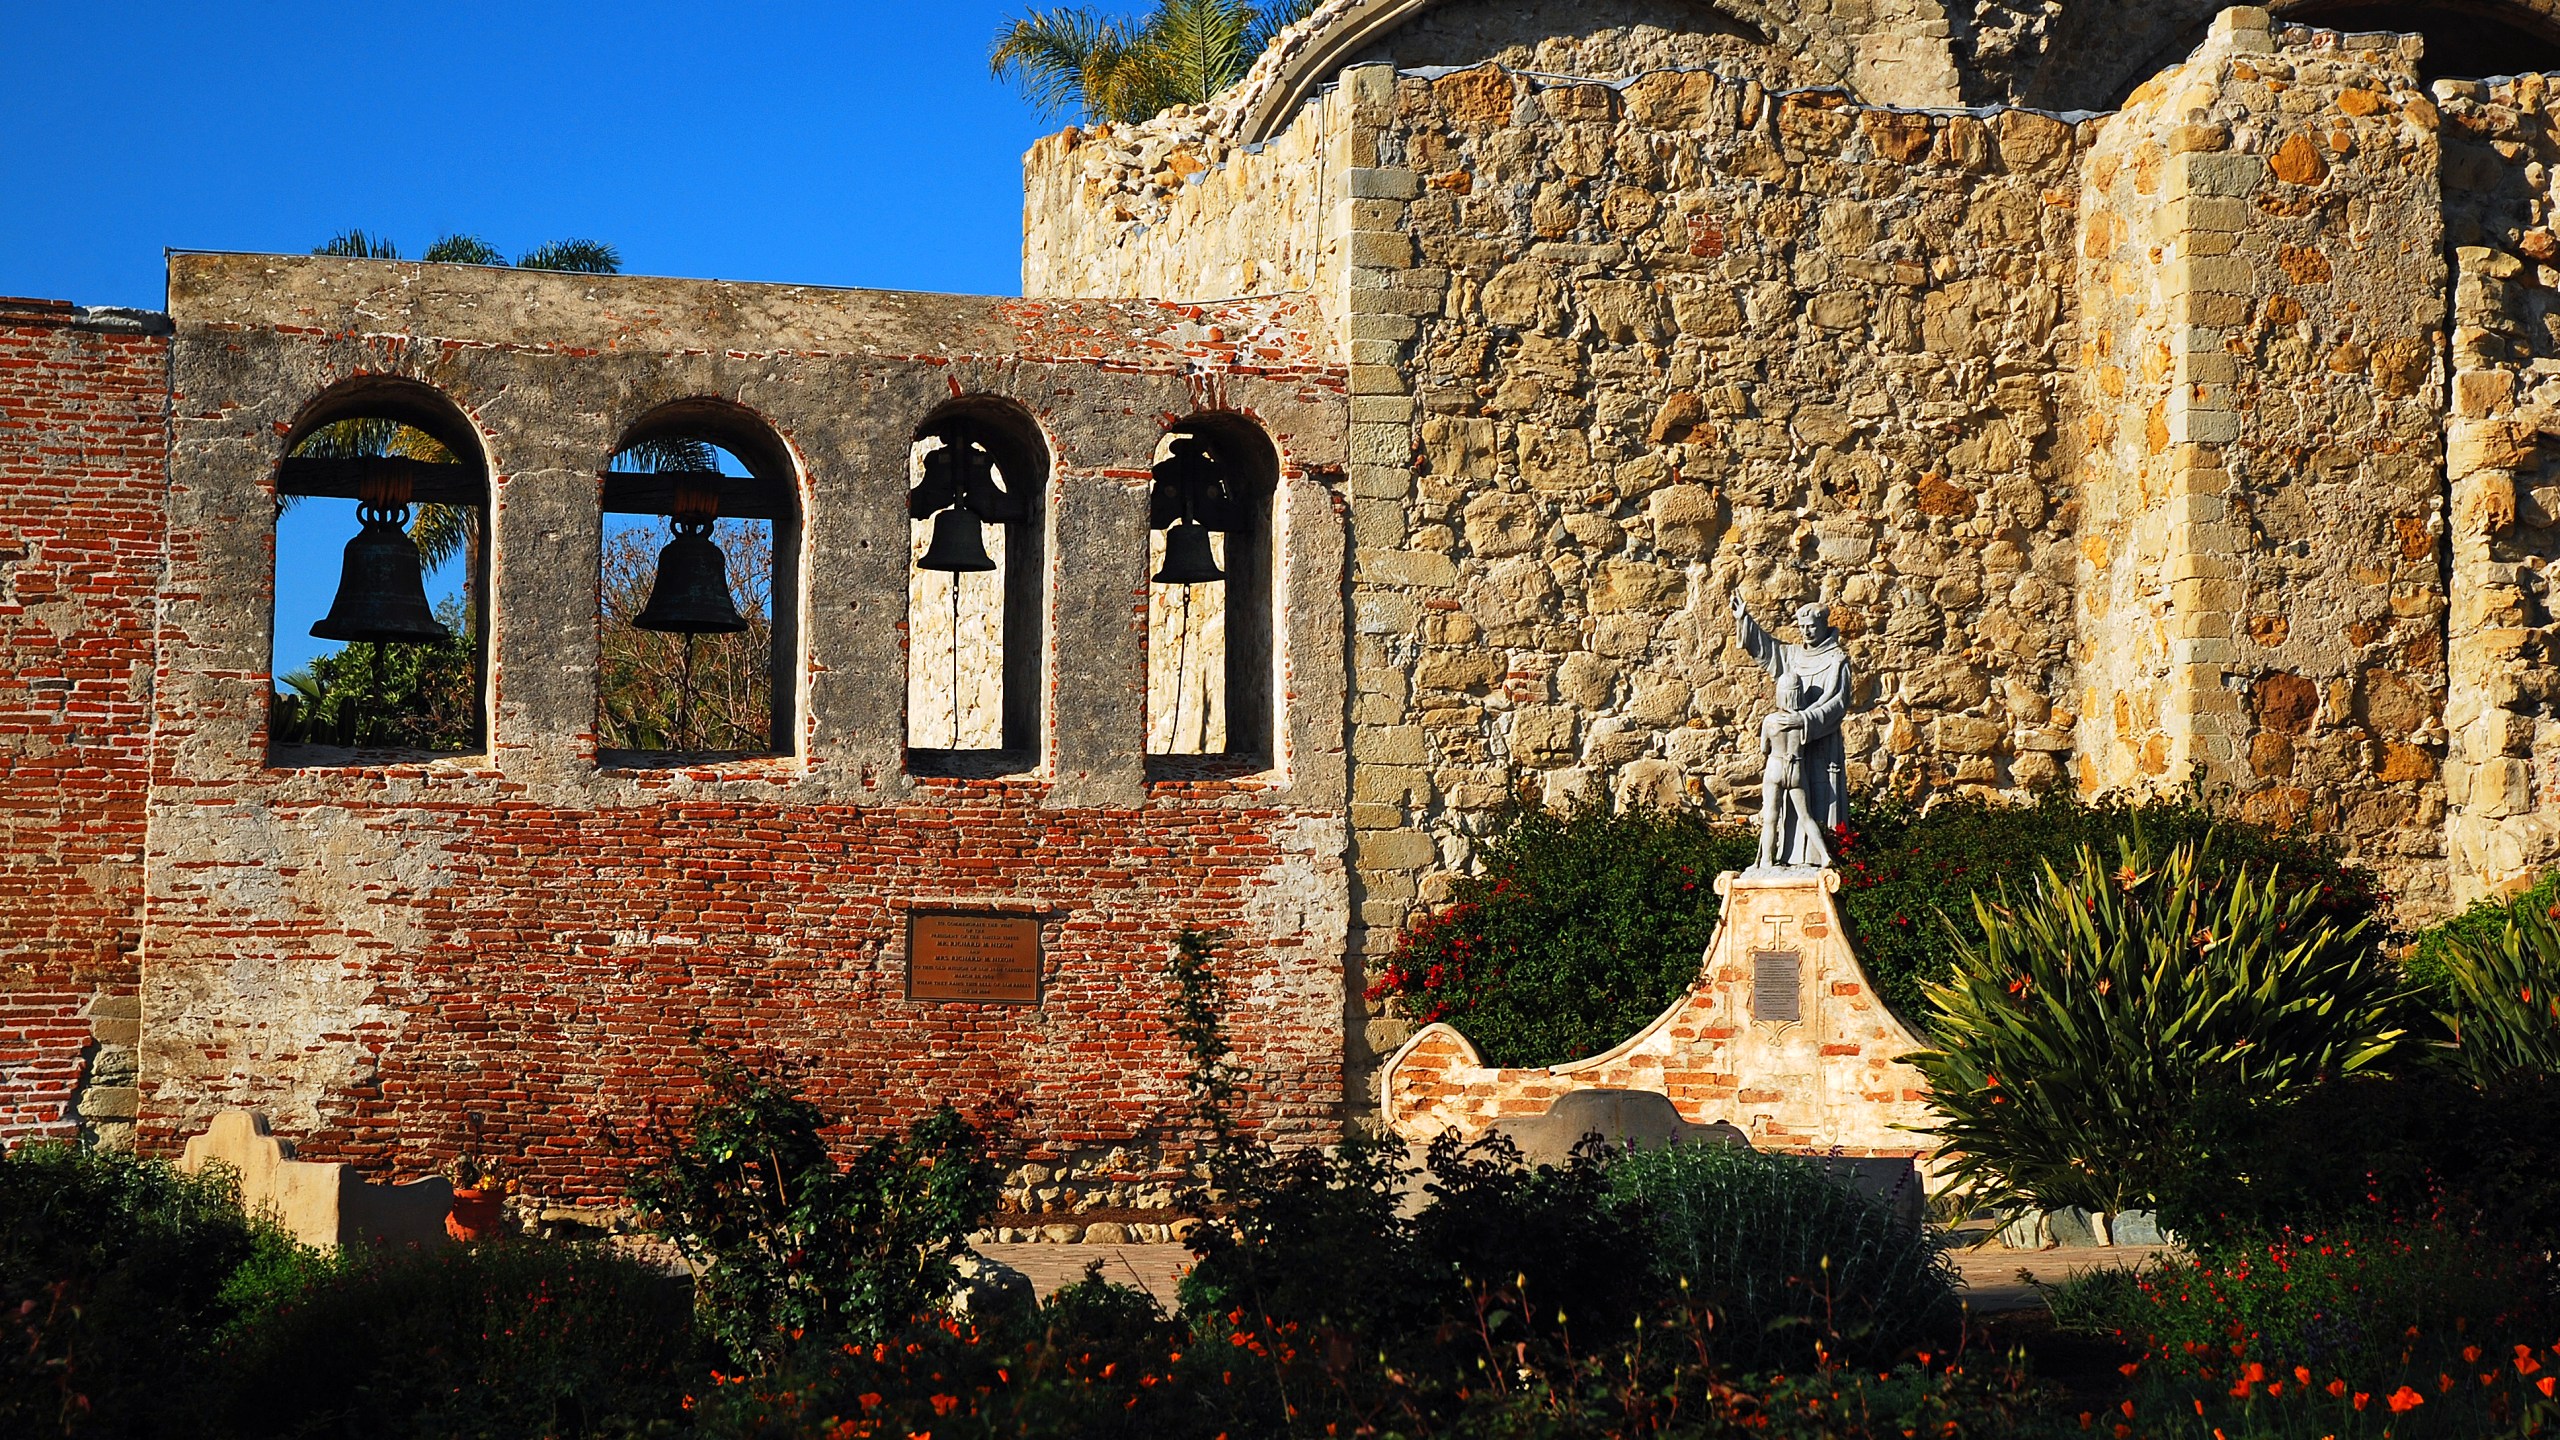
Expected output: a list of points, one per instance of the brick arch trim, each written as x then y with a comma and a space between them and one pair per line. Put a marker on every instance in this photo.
1302, 63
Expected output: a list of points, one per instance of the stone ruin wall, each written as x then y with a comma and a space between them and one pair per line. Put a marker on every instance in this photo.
2262, 603
2502, 775
1699, 340
2114, 441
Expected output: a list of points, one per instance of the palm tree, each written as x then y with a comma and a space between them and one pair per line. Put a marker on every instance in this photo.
1114, 69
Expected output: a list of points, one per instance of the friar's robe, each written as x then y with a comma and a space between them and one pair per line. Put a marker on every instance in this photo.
1823, 671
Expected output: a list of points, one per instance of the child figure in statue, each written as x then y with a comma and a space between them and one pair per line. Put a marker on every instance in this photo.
1782, 782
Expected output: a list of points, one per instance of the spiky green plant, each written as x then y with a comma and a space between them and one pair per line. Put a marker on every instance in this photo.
2505, 1015
2103, 1011
1109, 68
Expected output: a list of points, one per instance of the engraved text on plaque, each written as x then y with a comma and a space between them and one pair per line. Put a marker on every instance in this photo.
973, 955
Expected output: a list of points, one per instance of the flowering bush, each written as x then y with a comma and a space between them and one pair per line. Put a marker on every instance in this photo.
2413, 1329
1581, 928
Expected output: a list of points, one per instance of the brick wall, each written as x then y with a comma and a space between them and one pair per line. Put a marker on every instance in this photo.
81, 487
512, 952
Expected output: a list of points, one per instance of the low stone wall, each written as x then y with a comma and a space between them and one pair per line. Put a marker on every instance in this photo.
1828, 1077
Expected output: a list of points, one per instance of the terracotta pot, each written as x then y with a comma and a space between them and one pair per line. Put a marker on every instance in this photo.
475, 1215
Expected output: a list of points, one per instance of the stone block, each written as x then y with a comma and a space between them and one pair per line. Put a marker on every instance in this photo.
1544, 732
2217, 174
1394, 849
1381, 249
1425, 568
1383, 183
110, 1102
1633, 585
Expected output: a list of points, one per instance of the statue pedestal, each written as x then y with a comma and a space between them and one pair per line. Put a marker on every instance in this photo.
1782, 1037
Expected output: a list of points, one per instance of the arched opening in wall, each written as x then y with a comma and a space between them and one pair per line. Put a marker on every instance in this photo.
380, 637
1212, 566
698, 590
978, 475
2464, 39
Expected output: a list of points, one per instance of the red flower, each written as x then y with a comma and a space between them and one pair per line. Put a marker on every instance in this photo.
2403, 1400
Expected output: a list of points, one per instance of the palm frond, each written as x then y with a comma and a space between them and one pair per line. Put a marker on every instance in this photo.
1062, 59
1269, 20
1197, 47
359, 245
463, 250
443, 531
580, 257
672, 452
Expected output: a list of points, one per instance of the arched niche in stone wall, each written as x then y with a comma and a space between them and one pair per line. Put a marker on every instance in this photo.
975, 672
671, 696
1600, 39
389, 449
1211, 656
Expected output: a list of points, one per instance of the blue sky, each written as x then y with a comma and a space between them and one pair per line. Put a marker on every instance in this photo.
856, 143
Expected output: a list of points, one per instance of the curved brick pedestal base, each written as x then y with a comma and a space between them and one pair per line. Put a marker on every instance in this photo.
1782, 1036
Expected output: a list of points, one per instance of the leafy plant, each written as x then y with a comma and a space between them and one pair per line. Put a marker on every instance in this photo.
1114, 69
505, 1339
793, 1244
1580, 928
1903, 864
1786, 1257
422, 697
113, 1271
2505, 993
2101, 1011
2431, 950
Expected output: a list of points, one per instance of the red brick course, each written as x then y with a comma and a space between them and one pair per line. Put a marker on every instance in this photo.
82, 481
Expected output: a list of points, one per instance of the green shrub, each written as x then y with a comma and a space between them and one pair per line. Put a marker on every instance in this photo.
2483, 921
500, 1340
2422, 1144
2504, 993
1784, 1256
1903, 865
2100, 1013
791, 1242
1582, 927
112, 1277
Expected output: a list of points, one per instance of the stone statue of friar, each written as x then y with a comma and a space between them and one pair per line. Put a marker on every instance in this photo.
1813, 698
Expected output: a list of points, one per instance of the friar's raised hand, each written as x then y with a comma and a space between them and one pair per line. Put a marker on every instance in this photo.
1741, 611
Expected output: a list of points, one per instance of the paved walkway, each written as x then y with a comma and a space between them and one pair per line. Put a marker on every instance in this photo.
1994, 1279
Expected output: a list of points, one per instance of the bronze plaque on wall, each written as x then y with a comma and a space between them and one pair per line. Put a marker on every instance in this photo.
977, 955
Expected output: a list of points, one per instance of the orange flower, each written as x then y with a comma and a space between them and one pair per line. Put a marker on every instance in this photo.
945, 1404
2337, 1387
2303, 1374
2361, 1397
2470, 1354
2404, 1400
2129, 1367
2545, 1385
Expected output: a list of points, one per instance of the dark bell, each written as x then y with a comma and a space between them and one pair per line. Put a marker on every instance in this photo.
1188, 560
691, 596
382, 592
957, 546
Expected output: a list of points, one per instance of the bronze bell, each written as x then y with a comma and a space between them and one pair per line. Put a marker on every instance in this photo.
691, 594
957, 546
1188, 560
382, 592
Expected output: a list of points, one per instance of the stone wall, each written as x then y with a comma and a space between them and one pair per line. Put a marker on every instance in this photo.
510, 951
1701, 341
81, 488
2262, 602
2502, 772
